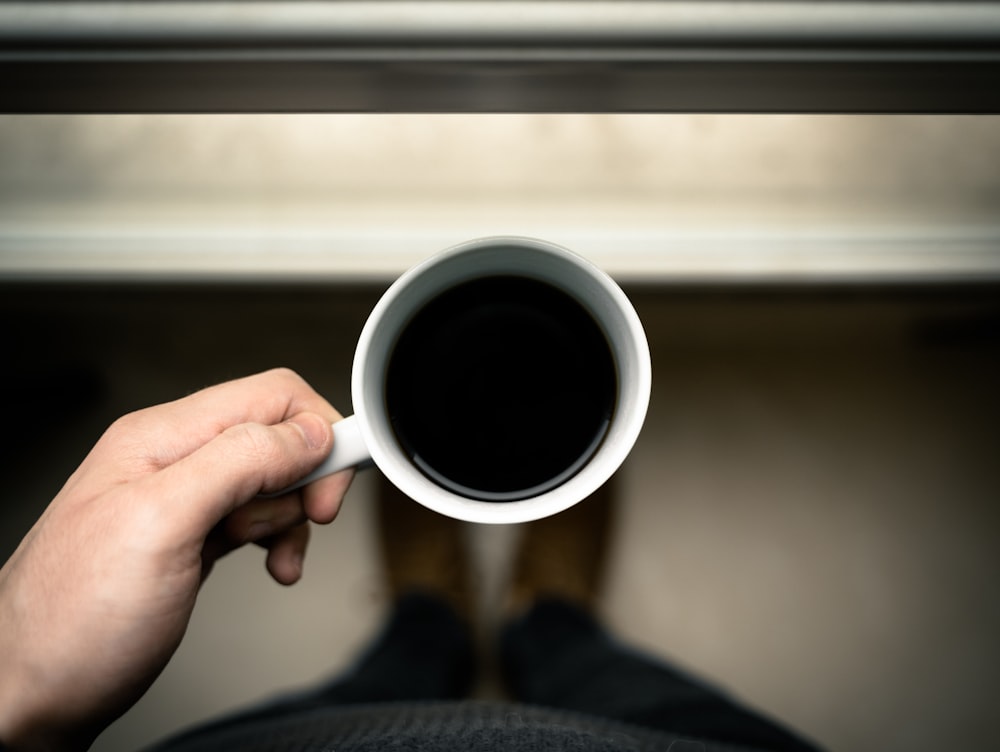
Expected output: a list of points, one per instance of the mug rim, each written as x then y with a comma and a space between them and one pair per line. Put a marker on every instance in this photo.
415, 288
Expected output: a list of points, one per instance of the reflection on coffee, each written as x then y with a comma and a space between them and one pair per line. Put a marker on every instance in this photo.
501, 388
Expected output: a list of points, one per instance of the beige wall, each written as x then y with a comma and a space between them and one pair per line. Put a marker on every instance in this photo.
673, 196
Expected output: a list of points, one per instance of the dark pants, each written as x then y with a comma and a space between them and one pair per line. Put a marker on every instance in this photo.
557, 655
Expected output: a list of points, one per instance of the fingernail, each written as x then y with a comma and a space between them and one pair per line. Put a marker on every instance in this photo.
313, 428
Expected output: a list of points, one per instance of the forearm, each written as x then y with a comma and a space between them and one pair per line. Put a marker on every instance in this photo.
27, 721
31, 718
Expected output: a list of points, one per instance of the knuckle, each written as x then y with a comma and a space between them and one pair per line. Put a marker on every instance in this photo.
125, 426
128, 442
257, 442
286, 376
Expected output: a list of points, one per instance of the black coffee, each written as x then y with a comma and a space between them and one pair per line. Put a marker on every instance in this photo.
501, 388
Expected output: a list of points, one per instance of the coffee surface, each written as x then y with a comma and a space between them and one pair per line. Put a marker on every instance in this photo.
501, 388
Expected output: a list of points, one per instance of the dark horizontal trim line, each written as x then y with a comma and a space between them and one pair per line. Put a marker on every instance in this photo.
525, 54
499, 56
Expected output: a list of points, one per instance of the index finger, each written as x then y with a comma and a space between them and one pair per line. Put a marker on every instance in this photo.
156, 437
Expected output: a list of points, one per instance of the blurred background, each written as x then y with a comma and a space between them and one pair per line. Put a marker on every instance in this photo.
810, 518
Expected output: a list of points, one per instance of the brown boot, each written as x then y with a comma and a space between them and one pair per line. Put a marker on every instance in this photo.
423, 551
564, 556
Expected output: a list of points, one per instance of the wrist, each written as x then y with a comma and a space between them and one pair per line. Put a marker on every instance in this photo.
23, 730
27, 722
40, 735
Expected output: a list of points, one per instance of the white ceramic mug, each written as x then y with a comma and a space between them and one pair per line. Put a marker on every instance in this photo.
369, 436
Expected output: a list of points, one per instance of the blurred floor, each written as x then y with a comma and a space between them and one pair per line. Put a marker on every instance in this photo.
810, 518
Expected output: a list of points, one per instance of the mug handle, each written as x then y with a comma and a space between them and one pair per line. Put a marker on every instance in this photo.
349, 450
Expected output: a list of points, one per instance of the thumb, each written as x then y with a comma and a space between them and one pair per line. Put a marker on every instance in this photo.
238, 464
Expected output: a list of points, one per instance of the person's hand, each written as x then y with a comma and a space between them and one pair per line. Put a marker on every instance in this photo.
96, 598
